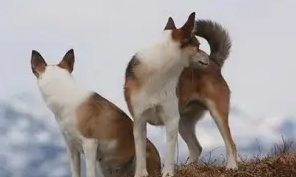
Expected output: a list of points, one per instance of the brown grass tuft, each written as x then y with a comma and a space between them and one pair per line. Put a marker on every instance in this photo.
280, 162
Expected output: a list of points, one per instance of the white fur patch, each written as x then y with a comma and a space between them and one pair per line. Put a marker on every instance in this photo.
165, 60
231, 162
61, 94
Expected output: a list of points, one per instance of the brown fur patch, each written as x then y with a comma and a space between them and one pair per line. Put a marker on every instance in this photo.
184, 35
198, 85
65, 66
185, 32
100, 119
131, 86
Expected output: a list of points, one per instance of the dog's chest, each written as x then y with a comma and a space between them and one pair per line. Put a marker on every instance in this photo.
158, 89
159, 92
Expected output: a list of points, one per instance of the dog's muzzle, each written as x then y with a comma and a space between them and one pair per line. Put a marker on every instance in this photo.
200, 60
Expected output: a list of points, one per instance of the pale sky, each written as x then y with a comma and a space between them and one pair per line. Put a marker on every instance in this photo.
105, 34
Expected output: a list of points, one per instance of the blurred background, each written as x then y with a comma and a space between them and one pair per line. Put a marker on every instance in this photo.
105, 34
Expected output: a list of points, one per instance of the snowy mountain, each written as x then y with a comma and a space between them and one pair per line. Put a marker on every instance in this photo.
32, 146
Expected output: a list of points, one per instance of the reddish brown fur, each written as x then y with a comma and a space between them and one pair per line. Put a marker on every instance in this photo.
204, 89
100, 119
198, 85
184, 33
65, 65
130, 87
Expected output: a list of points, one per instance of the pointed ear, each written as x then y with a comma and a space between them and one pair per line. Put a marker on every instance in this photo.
68, 61
170, 24
38, 64
187, 28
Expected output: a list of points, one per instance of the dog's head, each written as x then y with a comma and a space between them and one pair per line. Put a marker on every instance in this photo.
188, 43
39, 66
52, 74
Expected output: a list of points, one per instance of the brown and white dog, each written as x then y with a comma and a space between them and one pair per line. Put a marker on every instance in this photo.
205, 89
91, 125
150, 87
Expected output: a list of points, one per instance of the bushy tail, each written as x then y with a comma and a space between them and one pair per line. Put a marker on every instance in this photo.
217, 38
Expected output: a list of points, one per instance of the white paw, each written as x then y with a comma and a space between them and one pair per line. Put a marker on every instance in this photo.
192, 160
231, 162
143, 173
231, 165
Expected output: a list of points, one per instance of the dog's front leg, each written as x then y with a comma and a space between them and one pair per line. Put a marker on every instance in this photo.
90, 147
140, 133
74, 157
170, 117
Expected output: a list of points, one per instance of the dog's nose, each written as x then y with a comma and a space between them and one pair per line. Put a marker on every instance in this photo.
204, 62
200, 60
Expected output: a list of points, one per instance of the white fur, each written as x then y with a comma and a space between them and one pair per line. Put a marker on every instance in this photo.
62, 96
165, 61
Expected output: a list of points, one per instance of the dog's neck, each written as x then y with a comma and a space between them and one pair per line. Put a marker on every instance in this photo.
163, 57
60, 92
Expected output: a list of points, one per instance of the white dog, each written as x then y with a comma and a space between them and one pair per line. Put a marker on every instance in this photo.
150, 87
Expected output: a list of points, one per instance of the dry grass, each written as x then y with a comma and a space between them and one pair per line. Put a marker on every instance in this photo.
280, 162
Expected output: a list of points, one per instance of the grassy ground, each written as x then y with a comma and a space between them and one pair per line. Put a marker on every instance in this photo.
280, 162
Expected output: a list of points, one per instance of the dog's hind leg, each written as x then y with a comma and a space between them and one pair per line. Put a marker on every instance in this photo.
187, 131
219, 110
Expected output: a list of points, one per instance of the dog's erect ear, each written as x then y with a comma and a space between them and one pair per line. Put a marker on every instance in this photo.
38, 64
187, 28
68, 61
170, 24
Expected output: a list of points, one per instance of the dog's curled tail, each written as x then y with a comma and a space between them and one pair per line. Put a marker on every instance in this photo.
217, 37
